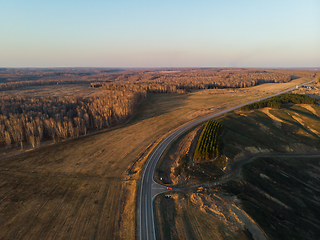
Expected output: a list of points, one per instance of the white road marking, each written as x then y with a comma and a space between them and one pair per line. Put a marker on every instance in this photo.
146, 216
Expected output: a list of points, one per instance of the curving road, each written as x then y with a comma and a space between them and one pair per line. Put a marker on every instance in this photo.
149, 188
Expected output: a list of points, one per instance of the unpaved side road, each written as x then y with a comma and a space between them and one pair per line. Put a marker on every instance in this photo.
235, 169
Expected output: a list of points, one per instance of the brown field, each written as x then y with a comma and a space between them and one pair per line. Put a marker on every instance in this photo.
83, 188
62, 90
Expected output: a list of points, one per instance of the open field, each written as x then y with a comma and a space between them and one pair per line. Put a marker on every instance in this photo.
64, 90
87, 187
273, 197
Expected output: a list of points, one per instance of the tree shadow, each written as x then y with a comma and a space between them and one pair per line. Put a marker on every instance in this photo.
158, 104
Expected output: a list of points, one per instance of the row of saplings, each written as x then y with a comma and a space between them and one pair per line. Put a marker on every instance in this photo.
208, 145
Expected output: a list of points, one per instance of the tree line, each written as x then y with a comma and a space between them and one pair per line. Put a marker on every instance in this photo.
277, 101
183, 82
186, 81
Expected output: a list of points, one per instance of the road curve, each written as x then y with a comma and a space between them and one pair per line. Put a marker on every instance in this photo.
145, 219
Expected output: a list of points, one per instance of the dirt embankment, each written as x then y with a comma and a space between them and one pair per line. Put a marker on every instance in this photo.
186, 146
189, 216
170, 160
227, 209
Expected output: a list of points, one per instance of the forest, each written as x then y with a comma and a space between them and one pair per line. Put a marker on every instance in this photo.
194, 80
35, 119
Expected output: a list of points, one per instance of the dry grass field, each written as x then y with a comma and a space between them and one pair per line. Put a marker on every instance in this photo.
86, 188
62, 90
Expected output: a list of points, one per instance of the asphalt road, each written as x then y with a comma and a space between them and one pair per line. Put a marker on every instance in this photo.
149, 189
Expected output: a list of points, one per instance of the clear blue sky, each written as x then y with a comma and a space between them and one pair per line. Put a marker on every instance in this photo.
138, 33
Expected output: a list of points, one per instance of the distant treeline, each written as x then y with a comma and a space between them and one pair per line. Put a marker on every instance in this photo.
148, 87
13, 78
35, 119
277, 101
181, 79
41, 82
208, 145
186, 81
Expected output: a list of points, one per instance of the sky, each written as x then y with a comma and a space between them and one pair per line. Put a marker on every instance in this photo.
154, 33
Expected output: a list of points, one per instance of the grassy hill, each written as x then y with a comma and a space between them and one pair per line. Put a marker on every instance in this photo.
274, 195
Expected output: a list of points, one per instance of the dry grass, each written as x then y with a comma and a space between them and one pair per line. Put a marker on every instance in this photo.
56, 90
180, 217
170, 159
81, 188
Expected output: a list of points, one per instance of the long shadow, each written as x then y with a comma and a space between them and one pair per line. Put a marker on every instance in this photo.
287, 131
162, 102
306, 113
